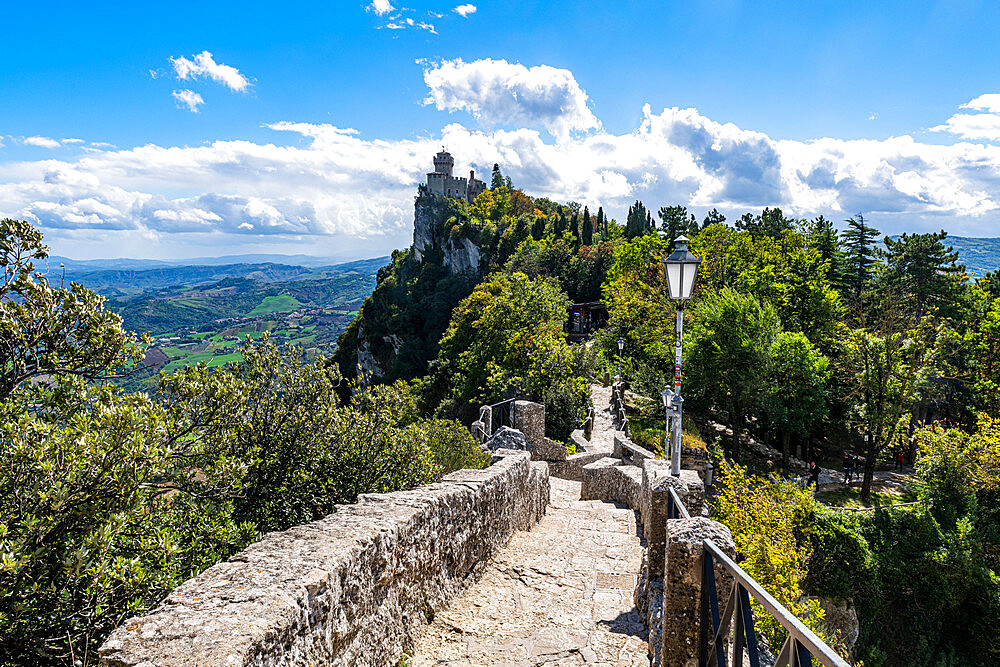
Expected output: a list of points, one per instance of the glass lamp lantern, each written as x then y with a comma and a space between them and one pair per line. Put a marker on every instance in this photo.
681, 268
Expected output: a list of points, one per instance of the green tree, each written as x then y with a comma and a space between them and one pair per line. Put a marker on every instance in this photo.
799, 373
727, 352
676, 221
713, 218
923, 272
639, 221
888, 363
859, 241
587, 233
825, 239
496, 181
505, 340
771, 222
53, 332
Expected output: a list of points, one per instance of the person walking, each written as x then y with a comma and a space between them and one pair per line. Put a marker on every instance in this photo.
899, 461
848, 467
857, 466
813, 474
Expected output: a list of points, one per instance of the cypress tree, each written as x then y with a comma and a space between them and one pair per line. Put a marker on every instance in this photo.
587, 236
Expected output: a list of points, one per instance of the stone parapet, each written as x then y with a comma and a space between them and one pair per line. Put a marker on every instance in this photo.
628, 451
608, 479
353, 589
572, 467
682, 580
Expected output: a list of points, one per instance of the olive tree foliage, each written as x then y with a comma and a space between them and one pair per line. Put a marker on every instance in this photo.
52, 331
108, 501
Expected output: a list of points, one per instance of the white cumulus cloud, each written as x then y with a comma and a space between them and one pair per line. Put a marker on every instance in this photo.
319, 189
204, 65
465, 10
188, 98
497, 92
41, 142
985, 125
380, 7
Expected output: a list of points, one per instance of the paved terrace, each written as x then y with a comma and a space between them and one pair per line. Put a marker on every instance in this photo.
559, 594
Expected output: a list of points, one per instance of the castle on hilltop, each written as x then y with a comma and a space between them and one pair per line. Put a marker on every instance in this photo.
441, 182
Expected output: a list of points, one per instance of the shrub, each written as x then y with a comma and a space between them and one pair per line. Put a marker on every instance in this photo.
839, 558
566, 405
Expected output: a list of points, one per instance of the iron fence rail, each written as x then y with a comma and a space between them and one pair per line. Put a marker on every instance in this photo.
798, 650
675, 508
618, 408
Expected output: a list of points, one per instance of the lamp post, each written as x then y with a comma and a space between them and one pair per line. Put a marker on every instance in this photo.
680, 270
621, 346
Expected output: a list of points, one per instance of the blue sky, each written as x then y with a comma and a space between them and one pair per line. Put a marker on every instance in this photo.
187, 129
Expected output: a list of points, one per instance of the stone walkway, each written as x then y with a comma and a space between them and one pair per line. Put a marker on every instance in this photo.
560, 594
603, 436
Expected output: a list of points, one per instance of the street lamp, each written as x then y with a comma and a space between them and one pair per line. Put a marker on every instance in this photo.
621, 346
681, 271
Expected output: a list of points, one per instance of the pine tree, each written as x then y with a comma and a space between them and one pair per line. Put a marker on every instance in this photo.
922, 270
497, 181
676, 221
713, 218
825, 238
587, 235
859, 239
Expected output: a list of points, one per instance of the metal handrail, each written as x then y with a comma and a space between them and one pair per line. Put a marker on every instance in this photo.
500, 410
675, 507
618, 407
799, 649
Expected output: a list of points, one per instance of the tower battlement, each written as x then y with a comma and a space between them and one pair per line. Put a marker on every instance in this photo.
442, 182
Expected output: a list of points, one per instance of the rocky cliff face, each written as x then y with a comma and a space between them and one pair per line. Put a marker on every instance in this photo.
396, 333
429, 214
461, 256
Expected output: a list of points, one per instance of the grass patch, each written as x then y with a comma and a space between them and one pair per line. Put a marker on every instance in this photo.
850, 496
281, 303
223, 359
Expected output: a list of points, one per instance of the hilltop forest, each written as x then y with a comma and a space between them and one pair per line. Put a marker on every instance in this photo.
802, 341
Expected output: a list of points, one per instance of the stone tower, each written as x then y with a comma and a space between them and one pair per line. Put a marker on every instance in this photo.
444, 163
442, 182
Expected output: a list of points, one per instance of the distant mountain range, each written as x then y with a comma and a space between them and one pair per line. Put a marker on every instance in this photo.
89, 265
980, 255
134, 277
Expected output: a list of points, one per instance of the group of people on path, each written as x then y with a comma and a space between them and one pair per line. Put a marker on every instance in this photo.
853, 465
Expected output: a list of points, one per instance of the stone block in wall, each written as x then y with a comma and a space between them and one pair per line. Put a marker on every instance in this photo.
549, 450
572, 467
627, 450
682, 582
608, 479
350, 590
529, 419
693, 492
508, 438
578, 439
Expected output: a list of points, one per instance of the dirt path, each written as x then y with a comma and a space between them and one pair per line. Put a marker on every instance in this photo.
557, 595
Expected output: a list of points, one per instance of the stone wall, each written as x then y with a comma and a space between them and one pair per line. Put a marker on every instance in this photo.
351, 590
668, 594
